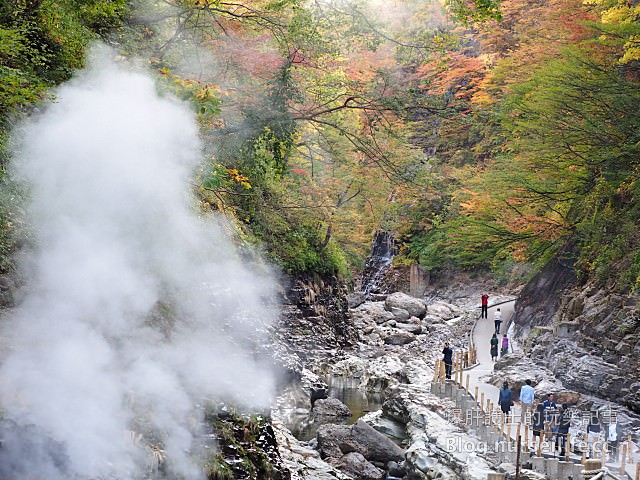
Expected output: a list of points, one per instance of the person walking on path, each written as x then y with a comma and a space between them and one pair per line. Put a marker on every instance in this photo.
505, 345
564, 422
448, 359
593, 433
497, 320
550, 411
505, 399
527, 396
537, 424
494, 347
613, 437
485, 305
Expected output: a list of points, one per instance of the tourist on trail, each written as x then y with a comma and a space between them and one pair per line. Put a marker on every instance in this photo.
494, 347
448, 359
564, 422
505, 399
497, 320
593, 432
485, 306
613, 437
537, 424
550, 406
550, 413
505, 345
527, 396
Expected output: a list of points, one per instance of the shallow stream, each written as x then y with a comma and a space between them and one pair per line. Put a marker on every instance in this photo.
304, 426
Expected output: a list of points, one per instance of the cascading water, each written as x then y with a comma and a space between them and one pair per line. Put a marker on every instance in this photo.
378, 263
138, 309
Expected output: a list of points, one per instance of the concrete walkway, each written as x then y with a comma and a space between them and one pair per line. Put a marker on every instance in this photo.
482, 332
479, 376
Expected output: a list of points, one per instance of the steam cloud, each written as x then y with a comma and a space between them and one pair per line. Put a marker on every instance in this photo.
138, 307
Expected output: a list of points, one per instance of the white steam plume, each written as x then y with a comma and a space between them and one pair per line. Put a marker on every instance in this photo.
138, 308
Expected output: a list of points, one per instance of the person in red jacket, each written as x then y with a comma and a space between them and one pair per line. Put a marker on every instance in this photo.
485, 304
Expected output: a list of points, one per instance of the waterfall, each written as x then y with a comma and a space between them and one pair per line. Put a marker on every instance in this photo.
378, 263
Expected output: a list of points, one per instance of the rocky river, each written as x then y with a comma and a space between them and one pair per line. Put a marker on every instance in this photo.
392, 360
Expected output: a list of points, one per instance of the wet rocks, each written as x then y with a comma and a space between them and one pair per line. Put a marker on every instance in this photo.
338, 443
356, 465
302, 461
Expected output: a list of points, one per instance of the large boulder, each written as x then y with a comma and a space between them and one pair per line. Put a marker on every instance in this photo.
375, 446
334, 441
358, 467
330, 407
414, 306
399, 337
399, 314
445, 311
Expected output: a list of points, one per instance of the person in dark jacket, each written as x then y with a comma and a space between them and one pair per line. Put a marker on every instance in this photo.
537, 422
505, 399
564, 422
448, 359
494, 347
593, 432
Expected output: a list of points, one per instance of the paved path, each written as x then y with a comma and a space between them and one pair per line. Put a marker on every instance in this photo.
482, 333
479, 375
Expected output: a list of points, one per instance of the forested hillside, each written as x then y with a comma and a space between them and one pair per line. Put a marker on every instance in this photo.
484, 136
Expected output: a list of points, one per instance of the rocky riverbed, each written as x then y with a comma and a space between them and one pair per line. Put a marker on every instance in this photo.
400, 339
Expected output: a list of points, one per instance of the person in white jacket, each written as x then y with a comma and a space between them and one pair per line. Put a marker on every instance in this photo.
497, 320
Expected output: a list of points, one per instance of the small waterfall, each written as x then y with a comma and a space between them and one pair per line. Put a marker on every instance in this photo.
378, 263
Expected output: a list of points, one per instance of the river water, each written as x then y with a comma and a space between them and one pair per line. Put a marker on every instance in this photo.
345, 389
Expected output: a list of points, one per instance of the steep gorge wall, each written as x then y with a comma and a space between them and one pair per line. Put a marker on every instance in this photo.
314, 315
586, 334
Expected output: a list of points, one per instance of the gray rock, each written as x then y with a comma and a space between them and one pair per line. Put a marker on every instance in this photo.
410, 327
377, 447
399, 337
357, 466
332, 439
415, 306
330, 407
355, 299
400, 314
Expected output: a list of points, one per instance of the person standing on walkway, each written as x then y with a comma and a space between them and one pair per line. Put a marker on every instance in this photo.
537, 424
564, 422
593, 433
497, 320
505, 345
613, 437
549, 406
550, 411
527, 396
448, 359
494, 347
505, 399
485, 305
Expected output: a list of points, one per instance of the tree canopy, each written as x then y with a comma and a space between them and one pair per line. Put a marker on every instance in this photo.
485, 135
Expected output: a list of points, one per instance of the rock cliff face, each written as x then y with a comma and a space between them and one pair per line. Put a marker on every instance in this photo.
314, 316
587, 335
